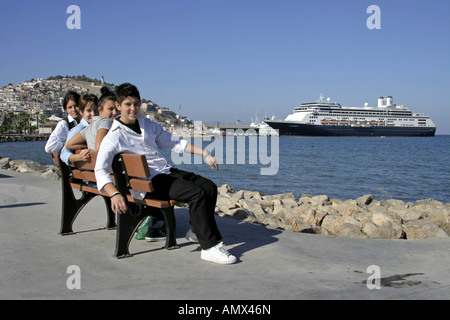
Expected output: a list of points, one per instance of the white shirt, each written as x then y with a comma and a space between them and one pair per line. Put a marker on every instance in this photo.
152, 139
58, 136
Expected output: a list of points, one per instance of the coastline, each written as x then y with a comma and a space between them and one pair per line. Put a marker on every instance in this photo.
363, 217
22, 137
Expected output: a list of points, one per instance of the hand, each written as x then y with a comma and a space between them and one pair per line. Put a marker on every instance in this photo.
212, 162
84, 155
118, 204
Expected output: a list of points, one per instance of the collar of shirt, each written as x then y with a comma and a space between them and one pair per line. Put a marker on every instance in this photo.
119, 125
83, 122
71, 119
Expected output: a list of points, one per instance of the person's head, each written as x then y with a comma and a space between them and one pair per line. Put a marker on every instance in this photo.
88, 106
128, 102
70, 104
107, 103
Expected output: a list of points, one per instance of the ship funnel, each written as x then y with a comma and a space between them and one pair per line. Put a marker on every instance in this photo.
389, 101
380, 102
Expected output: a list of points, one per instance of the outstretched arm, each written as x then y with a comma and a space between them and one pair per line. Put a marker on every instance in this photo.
209, 159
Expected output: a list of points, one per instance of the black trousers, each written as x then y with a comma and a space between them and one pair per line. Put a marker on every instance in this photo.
201, 195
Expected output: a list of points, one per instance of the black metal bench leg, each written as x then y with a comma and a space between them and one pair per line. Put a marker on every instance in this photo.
67, 219
169, 218
126, 225
70, 209
111, 216
71, 206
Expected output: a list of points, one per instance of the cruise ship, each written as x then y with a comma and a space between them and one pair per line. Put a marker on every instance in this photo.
325, 118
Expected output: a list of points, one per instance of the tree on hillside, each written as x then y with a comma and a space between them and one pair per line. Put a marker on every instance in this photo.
15, 123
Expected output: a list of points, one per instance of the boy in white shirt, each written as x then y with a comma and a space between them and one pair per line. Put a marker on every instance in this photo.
133, 133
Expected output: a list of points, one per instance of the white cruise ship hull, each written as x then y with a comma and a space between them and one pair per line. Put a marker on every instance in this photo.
287, 128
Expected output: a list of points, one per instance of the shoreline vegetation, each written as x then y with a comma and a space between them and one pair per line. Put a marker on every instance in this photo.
363, 217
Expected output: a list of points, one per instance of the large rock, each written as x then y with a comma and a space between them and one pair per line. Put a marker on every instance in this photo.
51, 173
364, 200
4, 163
347, 208
27, 166
30, 166
419, 230
343, 226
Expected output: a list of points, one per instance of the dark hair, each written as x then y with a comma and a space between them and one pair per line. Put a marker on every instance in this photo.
127, 90
107, 94
85, 99
71, 95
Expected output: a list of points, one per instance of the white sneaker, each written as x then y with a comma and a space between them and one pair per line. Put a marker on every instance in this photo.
191, 236
218, 254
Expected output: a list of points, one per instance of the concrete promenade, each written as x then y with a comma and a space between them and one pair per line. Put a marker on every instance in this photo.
273, 264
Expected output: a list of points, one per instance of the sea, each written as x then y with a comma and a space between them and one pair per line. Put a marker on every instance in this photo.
405, 168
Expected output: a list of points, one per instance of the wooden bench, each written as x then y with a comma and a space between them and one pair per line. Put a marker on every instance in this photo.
129, 172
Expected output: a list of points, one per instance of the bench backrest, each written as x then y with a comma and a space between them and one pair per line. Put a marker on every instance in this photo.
134, 168
137, 171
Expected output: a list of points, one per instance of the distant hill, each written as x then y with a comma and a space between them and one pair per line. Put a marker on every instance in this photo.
92, 85
47, 95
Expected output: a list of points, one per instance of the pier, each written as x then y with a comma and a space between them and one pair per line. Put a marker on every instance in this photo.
225, 127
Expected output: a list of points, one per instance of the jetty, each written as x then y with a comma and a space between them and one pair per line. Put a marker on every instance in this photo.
23, 137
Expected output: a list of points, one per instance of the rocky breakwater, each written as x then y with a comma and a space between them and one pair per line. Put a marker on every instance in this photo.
30, 166
358, 218
23, 137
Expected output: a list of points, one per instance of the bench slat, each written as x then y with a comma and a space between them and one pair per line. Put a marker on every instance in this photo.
83, 175
136, 165
141, 185
149, 202
87, 175
83, 187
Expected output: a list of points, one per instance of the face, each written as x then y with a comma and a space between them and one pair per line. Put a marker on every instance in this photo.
129, 109
109, 110
89, 111
72, 109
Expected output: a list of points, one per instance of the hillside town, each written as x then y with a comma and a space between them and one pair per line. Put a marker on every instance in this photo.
35, 106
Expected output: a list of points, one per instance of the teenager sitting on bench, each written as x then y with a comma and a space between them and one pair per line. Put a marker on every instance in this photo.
133, 133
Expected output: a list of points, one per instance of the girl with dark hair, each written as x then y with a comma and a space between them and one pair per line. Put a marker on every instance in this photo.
59, 135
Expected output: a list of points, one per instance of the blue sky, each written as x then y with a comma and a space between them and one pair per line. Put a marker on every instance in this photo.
224, 60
